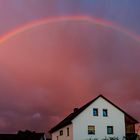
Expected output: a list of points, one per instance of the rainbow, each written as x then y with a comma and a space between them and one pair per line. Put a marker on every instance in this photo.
49, 20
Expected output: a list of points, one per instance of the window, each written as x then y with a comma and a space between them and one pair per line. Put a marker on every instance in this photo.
91, 129
109, 129
95, 112
68, 131
105, 112
61, 132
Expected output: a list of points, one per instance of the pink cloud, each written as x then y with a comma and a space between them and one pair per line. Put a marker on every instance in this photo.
49, 70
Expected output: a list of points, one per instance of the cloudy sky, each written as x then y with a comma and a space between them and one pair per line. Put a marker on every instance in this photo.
58, 54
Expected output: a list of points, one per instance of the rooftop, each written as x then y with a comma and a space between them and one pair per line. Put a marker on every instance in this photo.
71, 116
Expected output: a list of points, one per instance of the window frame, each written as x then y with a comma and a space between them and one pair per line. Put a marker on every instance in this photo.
93, 133
112, 130
61, 132
106, 112
97, 113
68, 131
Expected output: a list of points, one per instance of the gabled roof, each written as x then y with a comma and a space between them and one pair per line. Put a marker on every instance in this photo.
70, 117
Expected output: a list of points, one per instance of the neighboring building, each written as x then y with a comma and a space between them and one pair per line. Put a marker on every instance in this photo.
138, 131
98, 118
27, 135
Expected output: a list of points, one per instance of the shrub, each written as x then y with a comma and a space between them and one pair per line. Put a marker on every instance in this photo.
110, 138
92, 139
114, 138
105, 138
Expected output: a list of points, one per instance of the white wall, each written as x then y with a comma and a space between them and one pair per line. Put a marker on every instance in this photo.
115, 118
64, 136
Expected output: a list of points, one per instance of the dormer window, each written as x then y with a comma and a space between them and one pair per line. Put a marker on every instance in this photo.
105, 112
95, 111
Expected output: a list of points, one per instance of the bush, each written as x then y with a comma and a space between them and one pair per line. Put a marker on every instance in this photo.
114, 138
111, 138
105, 138
92, 139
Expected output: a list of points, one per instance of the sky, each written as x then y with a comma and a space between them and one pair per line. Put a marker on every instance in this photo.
56, 55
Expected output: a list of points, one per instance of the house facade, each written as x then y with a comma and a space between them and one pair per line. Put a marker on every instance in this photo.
99, 118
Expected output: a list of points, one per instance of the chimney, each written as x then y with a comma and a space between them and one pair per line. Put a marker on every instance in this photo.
75, 110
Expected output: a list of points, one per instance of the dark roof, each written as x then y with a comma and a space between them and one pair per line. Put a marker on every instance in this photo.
27, 135
69, 118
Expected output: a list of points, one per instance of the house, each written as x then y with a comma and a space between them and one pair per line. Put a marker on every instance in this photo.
138, 132
23, 135
98, 118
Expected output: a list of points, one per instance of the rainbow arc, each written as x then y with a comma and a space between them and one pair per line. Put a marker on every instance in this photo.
50, 20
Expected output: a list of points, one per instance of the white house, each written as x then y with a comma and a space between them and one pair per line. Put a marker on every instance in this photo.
98, 118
